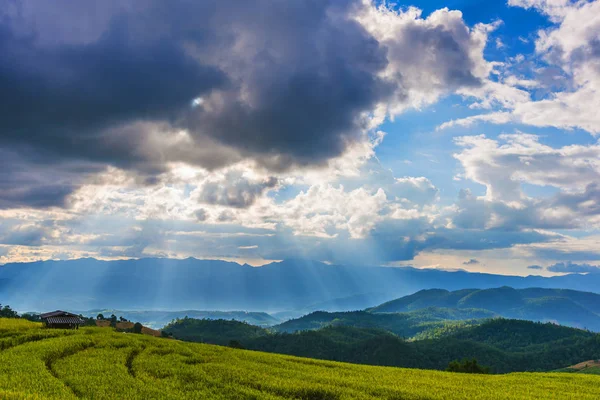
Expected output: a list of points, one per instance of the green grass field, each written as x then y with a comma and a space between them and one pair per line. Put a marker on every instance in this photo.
99, 363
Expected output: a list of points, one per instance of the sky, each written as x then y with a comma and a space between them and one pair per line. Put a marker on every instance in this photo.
436, 134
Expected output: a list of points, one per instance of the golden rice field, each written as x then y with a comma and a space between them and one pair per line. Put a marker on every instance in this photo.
99, 363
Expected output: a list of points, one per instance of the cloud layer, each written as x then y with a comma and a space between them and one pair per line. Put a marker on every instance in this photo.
253, 129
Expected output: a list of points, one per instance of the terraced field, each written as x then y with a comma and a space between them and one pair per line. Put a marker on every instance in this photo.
99, 363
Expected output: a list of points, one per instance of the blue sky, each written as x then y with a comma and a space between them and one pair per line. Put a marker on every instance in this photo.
439, 134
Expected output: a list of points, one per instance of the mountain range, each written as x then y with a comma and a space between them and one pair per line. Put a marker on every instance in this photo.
566, 307
426, 309
296, 284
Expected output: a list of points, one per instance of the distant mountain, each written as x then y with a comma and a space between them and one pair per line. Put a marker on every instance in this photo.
158, 319
169, 284
567, 307
350, 303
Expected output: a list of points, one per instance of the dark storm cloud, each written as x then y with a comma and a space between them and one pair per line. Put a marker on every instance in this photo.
570, 267
288, 79
29, 182
284, 82
64, 97
472, 261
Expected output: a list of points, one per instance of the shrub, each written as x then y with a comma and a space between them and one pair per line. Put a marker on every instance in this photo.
467, 366
137, 327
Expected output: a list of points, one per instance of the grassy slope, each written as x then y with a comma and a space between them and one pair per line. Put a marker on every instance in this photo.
104, 364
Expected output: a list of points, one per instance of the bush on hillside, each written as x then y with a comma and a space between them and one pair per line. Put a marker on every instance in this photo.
137, 327
467, 366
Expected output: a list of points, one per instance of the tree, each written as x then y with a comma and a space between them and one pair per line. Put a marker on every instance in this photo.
235, 344
467, 366
113, 321
87, 321
137, 327
100, 317
31, 317
7, 312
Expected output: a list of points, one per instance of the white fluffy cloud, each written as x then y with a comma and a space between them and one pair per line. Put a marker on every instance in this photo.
569, 50
427, 57
249, 156
324, 210
555, 9
504, 165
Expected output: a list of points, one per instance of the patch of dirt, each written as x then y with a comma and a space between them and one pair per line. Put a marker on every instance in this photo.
586, 364
128, 325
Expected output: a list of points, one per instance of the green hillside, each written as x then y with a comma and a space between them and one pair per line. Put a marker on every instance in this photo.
566, 307
99, 363
515, 335
209, 331
406, 324
501, 344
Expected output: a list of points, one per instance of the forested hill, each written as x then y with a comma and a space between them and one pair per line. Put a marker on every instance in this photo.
402, 324
567, 307
503, 345
170, 284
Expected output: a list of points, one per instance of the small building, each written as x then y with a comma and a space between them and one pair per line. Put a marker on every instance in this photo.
61, 320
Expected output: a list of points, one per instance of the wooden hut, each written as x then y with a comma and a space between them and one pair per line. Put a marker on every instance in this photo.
61, 320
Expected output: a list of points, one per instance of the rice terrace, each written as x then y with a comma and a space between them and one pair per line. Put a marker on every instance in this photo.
99, 363
300, 199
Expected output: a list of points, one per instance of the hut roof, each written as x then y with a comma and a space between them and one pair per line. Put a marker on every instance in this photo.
57, 313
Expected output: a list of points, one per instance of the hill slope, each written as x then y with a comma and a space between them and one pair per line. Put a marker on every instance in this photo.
402, 324
586, 367
99, 363
567, 307
503, 345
